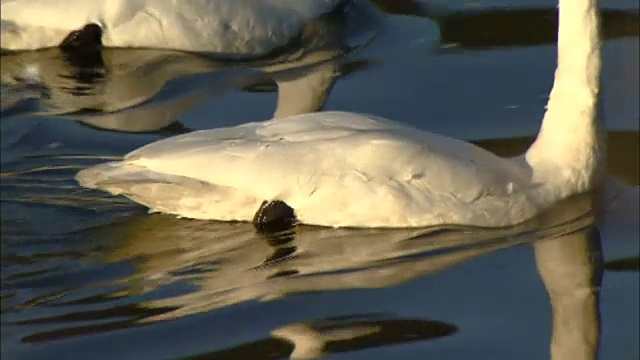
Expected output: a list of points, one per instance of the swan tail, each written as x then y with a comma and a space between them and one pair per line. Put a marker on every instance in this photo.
108, 176
157, 191
168, 193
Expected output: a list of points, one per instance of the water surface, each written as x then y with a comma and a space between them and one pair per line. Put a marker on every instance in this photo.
85, 274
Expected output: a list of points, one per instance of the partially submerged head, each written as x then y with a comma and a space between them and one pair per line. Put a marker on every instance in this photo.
90, 36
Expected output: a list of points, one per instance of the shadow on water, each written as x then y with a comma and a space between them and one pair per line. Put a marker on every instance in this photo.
621, 162
625, 264
484, 28
334, 336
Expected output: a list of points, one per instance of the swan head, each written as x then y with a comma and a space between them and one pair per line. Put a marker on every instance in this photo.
90, 36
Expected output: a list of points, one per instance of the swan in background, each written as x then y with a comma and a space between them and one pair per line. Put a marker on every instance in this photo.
238, 28
231, 29
344, 169
124, 84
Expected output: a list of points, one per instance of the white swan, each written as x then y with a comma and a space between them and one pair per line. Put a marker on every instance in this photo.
235, 27
344, 169
300, 91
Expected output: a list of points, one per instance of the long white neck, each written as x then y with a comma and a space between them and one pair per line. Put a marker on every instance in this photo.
306, 92
570, 147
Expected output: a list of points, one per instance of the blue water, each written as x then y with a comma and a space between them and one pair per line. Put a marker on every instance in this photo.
87, 275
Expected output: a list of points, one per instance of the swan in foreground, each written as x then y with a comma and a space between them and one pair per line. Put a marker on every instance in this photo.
351, 170
239, 29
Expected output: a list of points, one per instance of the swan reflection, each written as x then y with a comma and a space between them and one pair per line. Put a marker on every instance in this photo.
217, 264
317, 338
147, 90
571, 269
228, 263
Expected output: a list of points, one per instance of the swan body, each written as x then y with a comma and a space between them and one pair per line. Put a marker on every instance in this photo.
345, 169
234, 27
333, 168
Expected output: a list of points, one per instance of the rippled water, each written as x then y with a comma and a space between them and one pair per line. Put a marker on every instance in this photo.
87, 275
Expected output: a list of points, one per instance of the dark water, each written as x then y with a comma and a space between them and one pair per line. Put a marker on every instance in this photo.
86, 275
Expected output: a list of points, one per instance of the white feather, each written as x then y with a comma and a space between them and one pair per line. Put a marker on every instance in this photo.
241, 27
333, 168
345, 169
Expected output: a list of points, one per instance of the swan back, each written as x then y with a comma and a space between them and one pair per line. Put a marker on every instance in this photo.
333, 168
234, 27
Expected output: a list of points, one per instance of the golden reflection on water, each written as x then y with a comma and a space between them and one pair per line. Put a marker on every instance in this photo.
231, 263
228, 263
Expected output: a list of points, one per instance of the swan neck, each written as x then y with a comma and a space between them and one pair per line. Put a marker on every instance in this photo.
306, 92
571, 137
579, 45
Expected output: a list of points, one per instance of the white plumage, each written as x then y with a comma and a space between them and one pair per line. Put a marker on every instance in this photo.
235, 27
345, 169
333, 168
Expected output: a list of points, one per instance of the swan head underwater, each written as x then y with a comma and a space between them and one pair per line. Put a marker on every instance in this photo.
343, 169
90, 36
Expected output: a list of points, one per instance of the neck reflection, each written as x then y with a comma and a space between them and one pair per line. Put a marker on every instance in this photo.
571, 268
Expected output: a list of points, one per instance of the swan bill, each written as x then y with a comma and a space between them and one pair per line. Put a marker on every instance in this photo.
90, 36
274, 216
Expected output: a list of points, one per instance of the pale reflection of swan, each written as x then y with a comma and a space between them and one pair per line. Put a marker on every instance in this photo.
344, 169
104, 83
314, 339
337, 335
570, 266
309, 342
244, 266
146, 90
230, 264
571, 269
